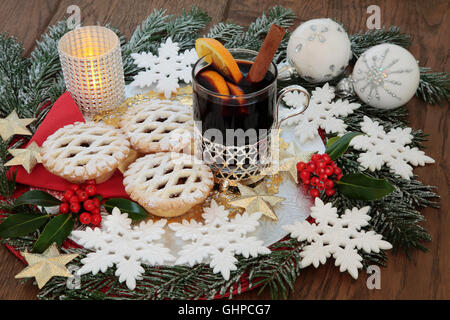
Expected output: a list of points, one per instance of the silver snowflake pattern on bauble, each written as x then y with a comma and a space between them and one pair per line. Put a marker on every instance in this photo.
386, 76
340, 237
389, 148
125, 246
321, 113
375, 75
318, 33
166, 69
218, 239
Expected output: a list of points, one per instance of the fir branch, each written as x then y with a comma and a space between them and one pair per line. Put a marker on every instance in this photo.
224, 31
253, 38
184, 28
143, 40
7, 176
280, 271
157, 27
360, 42
148, 32
13, 70
44, 75
277, 15
7, 182
433, 86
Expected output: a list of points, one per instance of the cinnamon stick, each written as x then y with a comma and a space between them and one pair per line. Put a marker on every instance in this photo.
265, 55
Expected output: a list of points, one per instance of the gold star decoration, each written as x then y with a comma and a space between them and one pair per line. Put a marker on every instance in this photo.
257, 199
12, 125
46, 265
28, 157
289, 159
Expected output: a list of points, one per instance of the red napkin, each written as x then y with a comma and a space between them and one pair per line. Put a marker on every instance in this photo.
64, 112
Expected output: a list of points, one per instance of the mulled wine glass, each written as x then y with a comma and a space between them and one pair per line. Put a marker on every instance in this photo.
234, 133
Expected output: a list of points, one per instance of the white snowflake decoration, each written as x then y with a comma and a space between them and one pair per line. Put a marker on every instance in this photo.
120, 244
294, 99
166, 69
337, 236
219, 239
388, 148
321, 113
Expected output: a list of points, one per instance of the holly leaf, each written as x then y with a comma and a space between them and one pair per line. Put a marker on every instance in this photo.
359, 186
37, 197
134, 210
331, 141
21, 224
337, 147
57, 230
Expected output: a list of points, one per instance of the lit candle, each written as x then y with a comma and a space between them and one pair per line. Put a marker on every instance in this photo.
91, 61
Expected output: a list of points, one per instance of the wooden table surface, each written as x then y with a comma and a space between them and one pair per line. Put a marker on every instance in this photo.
426, 275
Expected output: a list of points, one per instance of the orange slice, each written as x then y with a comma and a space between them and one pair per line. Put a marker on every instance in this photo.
236, 91
216, 81
215, 53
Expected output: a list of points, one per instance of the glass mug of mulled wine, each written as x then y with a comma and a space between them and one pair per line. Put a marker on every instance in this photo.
234, 132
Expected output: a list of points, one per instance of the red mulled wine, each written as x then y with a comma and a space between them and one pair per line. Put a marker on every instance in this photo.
249, 105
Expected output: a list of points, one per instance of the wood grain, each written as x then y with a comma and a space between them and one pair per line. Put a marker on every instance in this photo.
425, 275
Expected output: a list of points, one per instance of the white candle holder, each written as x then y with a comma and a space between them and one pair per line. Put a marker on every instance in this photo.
91, 61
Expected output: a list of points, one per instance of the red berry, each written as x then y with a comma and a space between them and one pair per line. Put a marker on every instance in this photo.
74, 199
337, 171
304, 175
95, 211
74, 187
89, 205
96, 202
330, 192
82, 195
85, 218
314, 193
326, 157
64, 207
311, 167
321, 171
301, 166
323, 177
75, 207
306, 182
333, 164
321, 164
91, 190
315, 157
96, 219
339, 176
90, 182
329, 184
315, 181
321, 186
68, 194
329, 170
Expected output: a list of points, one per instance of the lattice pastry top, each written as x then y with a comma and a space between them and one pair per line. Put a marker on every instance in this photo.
159, 126
168, 184
84, 151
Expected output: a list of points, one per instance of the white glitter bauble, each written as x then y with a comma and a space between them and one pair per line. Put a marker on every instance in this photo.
319, 50
386, 76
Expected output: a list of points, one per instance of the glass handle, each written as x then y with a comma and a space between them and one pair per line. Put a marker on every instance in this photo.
295, 111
